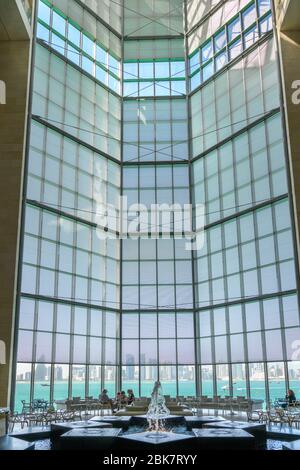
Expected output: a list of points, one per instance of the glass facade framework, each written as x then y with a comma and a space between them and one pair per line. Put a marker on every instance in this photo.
79, 46
236, 36
117, 314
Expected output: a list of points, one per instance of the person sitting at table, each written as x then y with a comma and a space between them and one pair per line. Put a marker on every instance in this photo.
104, 398
120, 400
117, 402
130, 396
290, 397
123, 398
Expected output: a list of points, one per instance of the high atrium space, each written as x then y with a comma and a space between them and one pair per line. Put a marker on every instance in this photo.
149, 218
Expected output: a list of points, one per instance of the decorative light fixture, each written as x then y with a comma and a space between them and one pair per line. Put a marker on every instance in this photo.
2, 353
2, 92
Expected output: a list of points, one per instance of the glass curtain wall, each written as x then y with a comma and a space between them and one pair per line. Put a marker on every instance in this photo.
69, 314
157, 294
164, 102
246, 288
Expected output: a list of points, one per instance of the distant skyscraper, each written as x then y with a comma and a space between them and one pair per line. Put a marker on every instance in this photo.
40, 372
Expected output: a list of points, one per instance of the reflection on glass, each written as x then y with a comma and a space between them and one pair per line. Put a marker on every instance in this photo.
186, 381
239, 380
206, 51
257, 380
249, 16
207, 384
234, 29
95, 378
276, 379
167, 377
220, 40
222, 375
130, 379
110, 380
42, 379
294, 377
78, 381
61, 382
23, 381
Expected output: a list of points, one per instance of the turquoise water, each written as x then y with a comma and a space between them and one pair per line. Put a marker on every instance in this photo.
277, 389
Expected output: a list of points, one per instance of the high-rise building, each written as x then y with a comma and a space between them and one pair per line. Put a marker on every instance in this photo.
165, 102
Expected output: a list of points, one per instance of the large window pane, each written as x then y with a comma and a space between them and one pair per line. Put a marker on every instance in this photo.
42, 378
130, 379
257, 381
207, 380
23, 380
78, 381
186, 381
61, 381
276, 379
168, 379
222, 372
239, 380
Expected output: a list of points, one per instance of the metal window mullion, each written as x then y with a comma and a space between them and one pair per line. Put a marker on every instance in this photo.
288, 170
139, 287
253, 199
235, 134
120, 314
75, 251
72, 310
239, 244
38, 262
88, 319
223, 250
193, 257
140, 339
233, 62
34, 341
157, 259
265, 364
262, 320
210, 301
32, 381
104, 338
102, 370
211, 308
258, 272
274, 225
174, 267
58, 245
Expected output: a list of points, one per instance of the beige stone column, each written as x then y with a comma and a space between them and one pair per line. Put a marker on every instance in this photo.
288, 31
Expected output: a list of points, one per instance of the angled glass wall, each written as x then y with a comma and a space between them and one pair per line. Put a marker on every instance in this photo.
163, 102
157, 294
246, 283
68, 338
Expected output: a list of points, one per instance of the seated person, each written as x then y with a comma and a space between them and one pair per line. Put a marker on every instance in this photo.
123, 398
130, 396
290, 397
104, 398
117, 401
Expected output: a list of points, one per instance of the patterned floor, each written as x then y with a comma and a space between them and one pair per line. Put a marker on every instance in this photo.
272, 444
